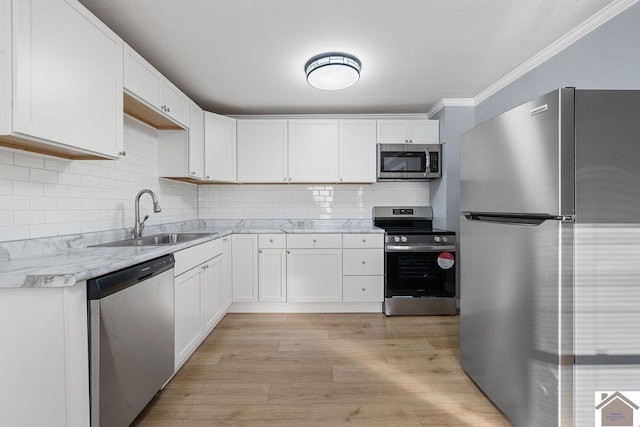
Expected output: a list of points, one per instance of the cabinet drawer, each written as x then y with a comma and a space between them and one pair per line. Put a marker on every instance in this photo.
314, 241
272, 241
362, 288
358, 262
357, 241
191, 257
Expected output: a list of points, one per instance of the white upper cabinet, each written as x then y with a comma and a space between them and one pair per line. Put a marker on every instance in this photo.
408, 132
181, 152
262, 150
151, 89
313, 150
196, 142
60, 80
219, 148
357, 150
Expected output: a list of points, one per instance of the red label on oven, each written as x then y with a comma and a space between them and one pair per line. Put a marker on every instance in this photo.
446, 260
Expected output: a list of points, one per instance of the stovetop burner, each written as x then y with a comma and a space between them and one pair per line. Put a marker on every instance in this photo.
406, 220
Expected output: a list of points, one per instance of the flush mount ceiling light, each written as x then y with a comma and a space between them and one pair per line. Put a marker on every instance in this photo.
332, 71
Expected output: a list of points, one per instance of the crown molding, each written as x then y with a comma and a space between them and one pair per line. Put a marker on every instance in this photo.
595, 21
450, 102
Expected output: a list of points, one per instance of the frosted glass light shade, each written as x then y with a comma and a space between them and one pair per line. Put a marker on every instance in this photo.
332, 71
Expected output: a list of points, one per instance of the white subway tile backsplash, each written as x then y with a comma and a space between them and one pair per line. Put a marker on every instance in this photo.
6, 157
42, 196
29, 160
6, 187
43, 176
15, 173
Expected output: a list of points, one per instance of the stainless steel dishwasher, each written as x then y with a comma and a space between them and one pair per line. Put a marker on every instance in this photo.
131, 339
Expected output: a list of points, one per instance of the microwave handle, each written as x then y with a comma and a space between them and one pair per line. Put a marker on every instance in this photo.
427, 160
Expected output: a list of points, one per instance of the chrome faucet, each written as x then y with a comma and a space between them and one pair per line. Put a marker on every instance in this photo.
139, 226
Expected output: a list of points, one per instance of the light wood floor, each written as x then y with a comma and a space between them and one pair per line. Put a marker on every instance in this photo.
325, 370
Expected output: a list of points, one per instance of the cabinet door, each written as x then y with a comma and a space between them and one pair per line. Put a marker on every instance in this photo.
196, 142
211, 292
262, 150
314, 275
219, 148
188, 314
392, 132
226, 271
357, 150
142, 79
313, 151
424, 131
244, 261
176, 103
365, 262
68, 76
272, 268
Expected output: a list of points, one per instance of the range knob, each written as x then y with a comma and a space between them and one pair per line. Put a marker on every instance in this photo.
396, 239
437, 239
403, 239
445, 239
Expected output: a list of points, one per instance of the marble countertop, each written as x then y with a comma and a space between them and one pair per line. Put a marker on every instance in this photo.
67, 260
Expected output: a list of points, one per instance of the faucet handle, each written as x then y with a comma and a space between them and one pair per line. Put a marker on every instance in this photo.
146, 217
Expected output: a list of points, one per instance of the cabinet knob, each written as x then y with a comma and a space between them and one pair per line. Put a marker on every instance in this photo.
285, 179
364, 289
122, 153
270, 240
289, 179
341, 179
406, 140
259, 251
364, 240
288, 252
315, 241
208, 177
168, 109
364, 262
193, 172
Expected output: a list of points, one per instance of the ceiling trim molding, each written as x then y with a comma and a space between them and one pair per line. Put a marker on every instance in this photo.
595, 21
450, 102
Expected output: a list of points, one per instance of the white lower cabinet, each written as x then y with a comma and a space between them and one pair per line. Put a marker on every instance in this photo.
199, 284
244, 258
363, 264
211, 292
272, 275
314, 275
226, 271
188, 314
362, 288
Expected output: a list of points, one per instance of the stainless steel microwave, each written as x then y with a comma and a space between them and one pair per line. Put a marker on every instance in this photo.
409, 162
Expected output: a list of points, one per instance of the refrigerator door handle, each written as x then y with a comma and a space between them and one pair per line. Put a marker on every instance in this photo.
514, 218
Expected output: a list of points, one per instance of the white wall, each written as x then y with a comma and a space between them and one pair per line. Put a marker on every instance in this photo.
43, 196
299, 201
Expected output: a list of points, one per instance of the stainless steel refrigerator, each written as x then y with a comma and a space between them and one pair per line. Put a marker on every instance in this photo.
550, 255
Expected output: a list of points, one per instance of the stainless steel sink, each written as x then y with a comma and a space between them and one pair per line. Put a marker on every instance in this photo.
158, 239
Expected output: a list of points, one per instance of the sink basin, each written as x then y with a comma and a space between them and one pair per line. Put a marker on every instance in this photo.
158, 239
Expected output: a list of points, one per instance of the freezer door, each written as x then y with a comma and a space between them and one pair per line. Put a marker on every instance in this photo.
522, 160
514, 279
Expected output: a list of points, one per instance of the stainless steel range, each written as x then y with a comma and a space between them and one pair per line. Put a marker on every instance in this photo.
420, 262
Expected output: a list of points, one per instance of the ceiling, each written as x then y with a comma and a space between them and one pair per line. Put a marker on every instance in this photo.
248, 56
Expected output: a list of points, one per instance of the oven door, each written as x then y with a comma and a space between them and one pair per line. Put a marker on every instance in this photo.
426, 272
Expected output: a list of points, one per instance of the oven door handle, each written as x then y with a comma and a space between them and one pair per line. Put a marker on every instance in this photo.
434, 248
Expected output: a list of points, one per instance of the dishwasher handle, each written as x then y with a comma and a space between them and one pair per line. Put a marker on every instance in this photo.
111, 283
